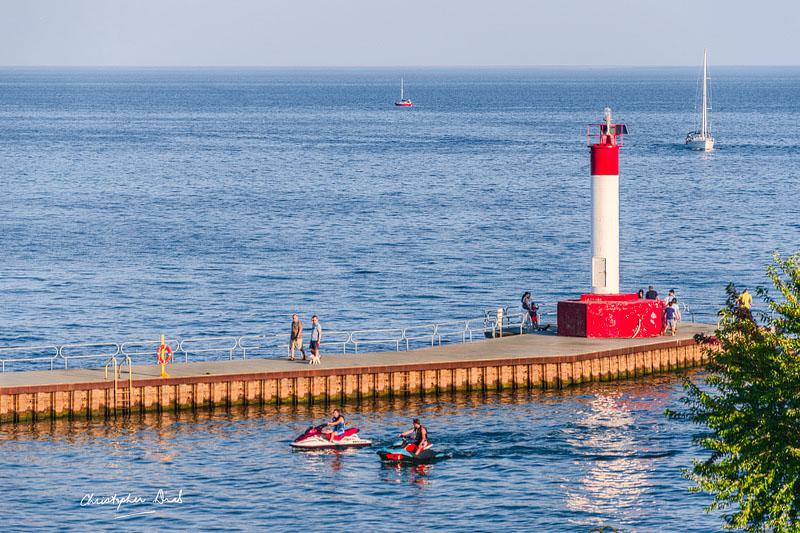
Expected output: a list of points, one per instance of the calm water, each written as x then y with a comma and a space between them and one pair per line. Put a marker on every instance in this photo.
220, 201
556, 461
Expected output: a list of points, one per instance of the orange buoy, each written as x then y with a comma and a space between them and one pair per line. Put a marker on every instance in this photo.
164, 355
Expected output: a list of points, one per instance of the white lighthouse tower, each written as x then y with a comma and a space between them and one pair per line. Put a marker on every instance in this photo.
605, 312
604, 146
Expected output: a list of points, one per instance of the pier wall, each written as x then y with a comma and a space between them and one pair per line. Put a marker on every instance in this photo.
109, 398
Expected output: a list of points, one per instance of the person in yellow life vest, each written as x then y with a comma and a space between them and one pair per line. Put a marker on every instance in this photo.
745, 302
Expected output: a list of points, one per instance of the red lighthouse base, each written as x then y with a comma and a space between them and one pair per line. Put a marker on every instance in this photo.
610, 316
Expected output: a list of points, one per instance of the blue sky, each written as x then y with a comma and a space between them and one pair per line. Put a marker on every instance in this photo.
398, 33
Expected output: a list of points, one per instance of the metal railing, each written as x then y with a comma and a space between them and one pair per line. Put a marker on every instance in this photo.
334, 338
88, 350
377, 337
516, 318
254, 343
422, 333
430, 334
208, 345
685, 309
462, 329
29, 350
117, 355
111, 355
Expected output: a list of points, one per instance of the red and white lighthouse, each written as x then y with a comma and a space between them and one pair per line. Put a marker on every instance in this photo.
605, 312
604, 144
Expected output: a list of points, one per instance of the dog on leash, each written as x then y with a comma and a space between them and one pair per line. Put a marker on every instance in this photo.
313, 346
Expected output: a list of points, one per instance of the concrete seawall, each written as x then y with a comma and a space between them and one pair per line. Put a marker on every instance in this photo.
519, 362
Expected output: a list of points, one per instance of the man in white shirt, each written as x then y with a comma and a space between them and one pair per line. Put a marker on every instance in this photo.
316, 338
670, 296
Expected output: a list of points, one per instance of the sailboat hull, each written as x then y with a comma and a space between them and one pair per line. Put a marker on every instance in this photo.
701, 145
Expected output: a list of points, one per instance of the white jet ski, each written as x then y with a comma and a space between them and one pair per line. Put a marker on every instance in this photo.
314, 439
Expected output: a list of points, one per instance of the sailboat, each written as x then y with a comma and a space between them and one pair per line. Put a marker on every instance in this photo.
403, 102
702, 139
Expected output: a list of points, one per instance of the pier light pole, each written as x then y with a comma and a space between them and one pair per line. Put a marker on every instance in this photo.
604, 149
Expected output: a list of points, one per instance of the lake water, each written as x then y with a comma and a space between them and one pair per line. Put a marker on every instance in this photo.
543, 461
220, 201
192, 202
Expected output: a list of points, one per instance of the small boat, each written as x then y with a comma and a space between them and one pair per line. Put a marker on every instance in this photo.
702, 139
403, 102
314, 439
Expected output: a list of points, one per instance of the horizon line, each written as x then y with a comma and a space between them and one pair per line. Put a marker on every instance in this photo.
3, 66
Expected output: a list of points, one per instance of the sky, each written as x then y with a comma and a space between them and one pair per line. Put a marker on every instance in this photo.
398, 33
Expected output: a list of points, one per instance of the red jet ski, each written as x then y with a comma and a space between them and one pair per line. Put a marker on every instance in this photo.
403, 452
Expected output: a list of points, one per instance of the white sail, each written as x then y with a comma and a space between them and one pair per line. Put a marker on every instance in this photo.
702, 139
704, 119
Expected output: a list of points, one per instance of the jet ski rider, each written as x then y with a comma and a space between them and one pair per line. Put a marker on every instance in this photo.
335, 426
420, 436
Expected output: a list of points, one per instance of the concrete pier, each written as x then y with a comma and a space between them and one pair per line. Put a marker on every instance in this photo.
518, 362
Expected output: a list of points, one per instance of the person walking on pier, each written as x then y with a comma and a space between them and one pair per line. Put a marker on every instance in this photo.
316, 338
296, 338
667, 302
672, 314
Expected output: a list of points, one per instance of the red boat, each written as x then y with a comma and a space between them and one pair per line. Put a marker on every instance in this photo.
403, 102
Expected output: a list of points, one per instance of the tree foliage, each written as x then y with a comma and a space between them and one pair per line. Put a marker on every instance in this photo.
749, 403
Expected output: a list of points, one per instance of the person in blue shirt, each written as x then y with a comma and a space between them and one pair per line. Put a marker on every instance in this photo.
672, 315
651, 293
316, 339
335, 426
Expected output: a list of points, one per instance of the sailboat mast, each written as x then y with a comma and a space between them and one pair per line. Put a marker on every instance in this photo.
401, 89
704, 123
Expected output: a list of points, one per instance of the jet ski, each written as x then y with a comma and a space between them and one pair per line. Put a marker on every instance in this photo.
403, 452
314, 439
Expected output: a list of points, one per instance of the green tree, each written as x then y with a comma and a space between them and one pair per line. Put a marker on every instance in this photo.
749, 403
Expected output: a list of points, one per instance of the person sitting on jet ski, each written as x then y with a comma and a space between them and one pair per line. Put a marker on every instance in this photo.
420, 436
335, 426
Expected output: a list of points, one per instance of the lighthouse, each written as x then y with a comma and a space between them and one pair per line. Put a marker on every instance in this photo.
604, 141
605, 312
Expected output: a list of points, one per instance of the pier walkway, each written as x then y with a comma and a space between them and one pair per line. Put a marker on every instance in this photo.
529, 361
